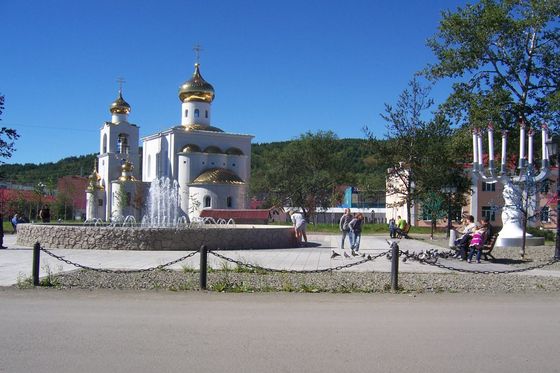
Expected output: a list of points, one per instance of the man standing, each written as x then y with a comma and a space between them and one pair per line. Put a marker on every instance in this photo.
344, 227
2, 232
45, 214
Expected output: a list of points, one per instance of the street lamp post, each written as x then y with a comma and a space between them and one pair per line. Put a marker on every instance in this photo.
552, 147
449, 190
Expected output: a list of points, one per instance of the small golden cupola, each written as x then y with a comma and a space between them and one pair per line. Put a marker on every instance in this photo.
126, 172
94, 180
196, 88
120, 106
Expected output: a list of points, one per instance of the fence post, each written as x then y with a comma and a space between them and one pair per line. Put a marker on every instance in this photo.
36, 263
394, 266
203, 266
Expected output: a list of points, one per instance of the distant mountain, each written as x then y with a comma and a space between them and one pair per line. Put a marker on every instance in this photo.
31, 173
355, 153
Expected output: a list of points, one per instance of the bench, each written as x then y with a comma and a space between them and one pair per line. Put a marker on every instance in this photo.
403, 232
489, 246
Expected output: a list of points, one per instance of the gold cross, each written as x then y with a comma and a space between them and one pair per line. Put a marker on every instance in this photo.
197, 49
120, 80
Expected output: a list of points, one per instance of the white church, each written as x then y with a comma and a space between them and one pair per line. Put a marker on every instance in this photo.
211, 167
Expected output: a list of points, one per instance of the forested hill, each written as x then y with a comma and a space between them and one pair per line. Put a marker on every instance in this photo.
31, 173
354, 152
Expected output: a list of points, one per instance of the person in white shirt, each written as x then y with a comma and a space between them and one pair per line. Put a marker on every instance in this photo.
300, 226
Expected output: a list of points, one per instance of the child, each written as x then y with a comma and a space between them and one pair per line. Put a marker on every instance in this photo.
476, 243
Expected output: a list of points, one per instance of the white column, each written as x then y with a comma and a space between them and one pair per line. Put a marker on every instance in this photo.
490, 142
475, 147
521, 141
479, 141
504, 147
544, 139
530, 150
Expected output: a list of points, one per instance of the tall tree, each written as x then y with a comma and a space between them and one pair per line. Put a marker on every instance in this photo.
7, 136
303, 174
505, 56
418, 152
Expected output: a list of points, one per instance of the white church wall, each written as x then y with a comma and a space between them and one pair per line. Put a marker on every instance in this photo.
218, 194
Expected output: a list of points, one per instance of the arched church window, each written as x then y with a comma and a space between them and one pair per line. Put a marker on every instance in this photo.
206, 114
196, 113
229, 202
104, 143
123, 143
186, 113
207, 201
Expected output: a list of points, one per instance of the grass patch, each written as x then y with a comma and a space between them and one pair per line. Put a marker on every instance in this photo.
187, 268
24, 282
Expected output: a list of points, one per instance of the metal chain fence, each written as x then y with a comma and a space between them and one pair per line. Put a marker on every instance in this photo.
161, 266
432, 260
365, 259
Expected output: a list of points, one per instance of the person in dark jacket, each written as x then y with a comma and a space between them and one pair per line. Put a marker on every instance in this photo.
2, 232
356, 233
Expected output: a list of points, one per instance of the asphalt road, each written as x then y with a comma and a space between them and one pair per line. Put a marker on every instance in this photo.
122, 331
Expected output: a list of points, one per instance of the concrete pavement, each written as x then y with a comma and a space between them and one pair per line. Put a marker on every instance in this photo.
16, 261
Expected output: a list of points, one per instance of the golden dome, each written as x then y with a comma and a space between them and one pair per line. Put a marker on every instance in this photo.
218, 176
202, 127
120, 106
191, 148
196, 88
126, 172
93, 181
234, 151
212, 149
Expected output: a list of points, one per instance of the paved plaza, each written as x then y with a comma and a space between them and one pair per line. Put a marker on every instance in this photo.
16, 261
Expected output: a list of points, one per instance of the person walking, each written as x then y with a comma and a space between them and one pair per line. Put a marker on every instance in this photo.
356, 233
2, 232
45, 214
15, 222
300, 226
392, 228
344, 227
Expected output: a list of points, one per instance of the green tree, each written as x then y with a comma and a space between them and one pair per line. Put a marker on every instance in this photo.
418, 154
7, 136
303, 174
433, 209
505, 56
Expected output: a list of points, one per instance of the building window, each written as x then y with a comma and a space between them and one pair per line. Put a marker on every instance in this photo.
206, 114
122, 144
489, 213
229, 202
544, 214
99, 202
207, 201
128, 199
186, 113
488, 187
196, 113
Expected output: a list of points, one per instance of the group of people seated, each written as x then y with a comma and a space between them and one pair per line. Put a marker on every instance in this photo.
472, 238
399, 228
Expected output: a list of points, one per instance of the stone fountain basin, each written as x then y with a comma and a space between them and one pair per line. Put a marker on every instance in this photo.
222, 237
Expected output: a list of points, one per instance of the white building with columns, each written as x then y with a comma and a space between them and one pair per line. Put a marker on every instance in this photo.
211, 167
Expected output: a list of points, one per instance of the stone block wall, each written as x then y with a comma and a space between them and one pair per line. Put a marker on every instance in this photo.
239, 237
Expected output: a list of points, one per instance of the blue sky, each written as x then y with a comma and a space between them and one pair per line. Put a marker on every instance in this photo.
279, 68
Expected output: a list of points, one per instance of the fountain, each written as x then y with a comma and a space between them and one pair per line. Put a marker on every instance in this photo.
162, 228
162, 206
